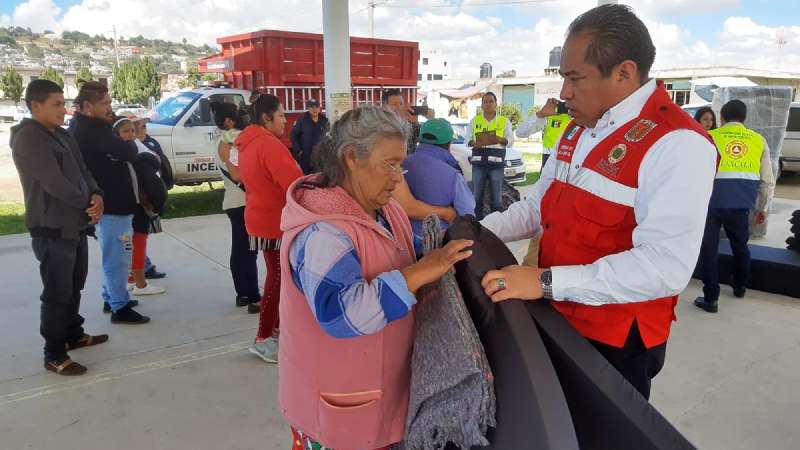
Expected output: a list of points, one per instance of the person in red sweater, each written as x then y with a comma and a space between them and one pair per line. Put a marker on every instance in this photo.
266, 168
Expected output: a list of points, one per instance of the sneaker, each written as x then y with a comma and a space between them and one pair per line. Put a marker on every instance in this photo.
739, 292
153, 274
107, 307
254, 308
148, 290
266, 350
127, 315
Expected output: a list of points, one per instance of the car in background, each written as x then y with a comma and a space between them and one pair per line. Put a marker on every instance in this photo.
514, 169
130, 109
790, 152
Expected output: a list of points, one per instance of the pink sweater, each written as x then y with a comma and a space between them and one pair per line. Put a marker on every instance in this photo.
348, 394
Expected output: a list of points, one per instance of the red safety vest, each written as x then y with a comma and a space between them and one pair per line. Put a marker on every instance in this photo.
593, 216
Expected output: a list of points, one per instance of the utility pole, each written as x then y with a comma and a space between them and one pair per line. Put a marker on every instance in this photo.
371, 8
336, 54
116, 49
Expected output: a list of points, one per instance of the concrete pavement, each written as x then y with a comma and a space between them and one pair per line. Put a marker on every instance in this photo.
186, 380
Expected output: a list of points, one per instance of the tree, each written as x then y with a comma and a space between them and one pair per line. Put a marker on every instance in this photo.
136, 82
83, 76
52, 75
11, 85
192, 79
512, 112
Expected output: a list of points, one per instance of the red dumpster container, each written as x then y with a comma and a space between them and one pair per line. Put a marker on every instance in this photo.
290, 66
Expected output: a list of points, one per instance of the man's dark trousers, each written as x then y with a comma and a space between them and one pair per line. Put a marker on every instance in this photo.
63, 264
735, 222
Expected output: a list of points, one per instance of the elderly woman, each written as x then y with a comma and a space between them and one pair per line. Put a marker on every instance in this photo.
348, 289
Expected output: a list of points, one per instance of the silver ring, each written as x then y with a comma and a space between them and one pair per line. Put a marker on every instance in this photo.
501, 284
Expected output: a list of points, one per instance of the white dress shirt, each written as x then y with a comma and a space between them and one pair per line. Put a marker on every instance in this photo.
675, 182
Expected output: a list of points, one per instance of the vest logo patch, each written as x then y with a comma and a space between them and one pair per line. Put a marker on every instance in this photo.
556, 124
617, 153
640, 130
736, 149
572, 132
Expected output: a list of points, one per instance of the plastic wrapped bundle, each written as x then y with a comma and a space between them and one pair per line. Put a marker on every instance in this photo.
767, 114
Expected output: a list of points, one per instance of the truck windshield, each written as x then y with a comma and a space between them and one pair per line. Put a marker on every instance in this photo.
170, 110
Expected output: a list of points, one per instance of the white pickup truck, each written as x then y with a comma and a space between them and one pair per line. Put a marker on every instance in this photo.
184, 126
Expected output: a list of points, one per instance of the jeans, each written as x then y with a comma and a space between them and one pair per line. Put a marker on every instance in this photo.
115, 234
480, 174
63, 264
737, 230
148, 264
243, 262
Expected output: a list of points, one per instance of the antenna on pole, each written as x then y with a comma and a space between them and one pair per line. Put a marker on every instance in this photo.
781, 39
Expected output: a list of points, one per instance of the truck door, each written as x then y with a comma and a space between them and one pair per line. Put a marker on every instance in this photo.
195, 139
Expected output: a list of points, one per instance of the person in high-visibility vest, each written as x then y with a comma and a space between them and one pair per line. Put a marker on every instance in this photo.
491, 133
621, 205
551, 120
744, 181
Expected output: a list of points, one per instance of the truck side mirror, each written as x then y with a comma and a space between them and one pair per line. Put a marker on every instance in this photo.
205, 111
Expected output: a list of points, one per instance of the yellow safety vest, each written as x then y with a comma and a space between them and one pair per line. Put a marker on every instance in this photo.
740, 152
497, 125
554, 128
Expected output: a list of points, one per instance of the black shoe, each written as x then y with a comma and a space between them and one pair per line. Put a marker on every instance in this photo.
242, 300
107, 307
701, 303
129, 316
153, 274
739, 292
254, 308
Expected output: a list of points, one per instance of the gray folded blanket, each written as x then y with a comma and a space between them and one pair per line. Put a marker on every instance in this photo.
452, 396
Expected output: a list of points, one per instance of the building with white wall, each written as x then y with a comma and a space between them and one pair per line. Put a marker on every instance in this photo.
433, 66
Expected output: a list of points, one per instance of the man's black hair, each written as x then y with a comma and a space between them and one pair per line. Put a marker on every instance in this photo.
616, 35
39, 90
490, 94
389, 93
734, 111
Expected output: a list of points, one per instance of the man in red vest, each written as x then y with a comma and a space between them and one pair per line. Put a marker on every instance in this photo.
622, 210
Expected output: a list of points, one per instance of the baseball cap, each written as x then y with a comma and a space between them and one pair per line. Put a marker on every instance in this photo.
436, 131
312, 103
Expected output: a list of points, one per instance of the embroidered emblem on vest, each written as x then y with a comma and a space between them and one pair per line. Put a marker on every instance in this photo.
556, 124
572, 132
640, 130
617, 153
736, 149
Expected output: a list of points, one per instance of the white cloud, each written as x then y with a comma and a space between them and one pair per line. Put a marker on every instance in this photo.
467, 35
39, 15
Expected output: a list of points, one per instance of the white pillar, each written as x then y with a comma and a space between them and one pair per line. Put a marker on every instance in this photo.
336, 49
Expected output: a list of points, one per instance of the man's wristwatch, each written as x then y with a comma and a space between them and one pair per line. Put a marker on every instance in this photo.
546, 278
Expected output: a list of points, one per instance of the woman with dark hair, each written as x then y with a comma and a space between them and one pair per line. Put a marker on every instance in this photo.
706, 118
267, 168
244, 260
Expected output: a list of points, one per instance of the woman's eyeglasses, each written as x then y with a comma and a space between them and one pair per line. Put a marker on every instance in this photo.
394, 168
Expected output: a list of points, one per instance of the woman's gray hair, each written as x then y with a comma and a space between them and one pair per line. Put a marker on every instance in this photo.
358, 130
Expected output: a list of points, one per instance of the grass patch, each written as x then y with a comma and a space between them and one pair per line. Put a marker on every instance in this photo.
184, 201
12, 218
200, 200
530, 178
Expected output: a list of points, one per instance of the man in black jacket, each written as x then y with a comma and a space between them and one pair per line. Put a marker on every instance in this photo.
110, 159
306, 132
62, 204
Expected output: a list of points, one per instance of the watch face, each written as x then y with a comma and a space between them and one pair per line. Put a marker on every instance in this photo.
546, 278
